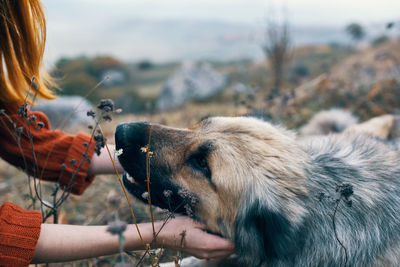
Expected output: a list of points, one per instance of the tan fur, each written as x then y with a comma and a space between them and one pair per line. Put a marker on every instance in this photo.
380, 127
235, 167
233, 160
240, 174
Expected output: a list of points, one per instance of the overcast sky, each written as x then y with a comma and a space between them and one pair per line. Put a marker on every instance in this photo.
306, 12
77, 18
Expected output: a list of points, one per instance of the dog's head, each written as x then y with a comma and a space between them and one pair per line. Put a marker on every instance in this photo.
230, 173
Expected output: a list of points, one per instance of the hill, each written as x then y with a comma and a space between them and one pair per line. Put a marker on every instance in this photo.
366, 83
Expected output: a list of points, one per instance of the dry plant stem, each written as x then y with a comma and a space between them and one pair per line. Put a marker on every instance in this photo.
154, 238
334, 229
17, 137
182, 244
36, 185
35, 167
122, 186
62, 123
66, 192
148, 181
26, 168
159, 254
64, 120
55, 210
38, 195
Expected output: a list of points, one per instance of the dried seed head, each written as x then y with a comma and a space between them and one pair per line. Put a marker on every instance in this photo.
91, 113
119, 152
113, 199
20, 130
129, 178
117, 227
100, 143
106, 105
34, 86
188, 197
345, 190
40, 125
23, 110
188, 210
145, 195
107, 118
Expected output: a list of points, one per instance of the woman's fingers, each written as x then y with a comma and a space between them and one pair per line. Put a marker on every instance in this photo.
196, 241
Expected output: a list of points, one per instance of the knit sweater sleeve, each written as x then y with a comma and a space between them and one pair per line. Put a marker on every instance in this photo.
27, 142
19, 233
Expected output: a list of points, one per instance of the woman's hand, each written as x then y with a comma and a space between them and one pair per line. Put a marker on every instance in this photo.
188, 236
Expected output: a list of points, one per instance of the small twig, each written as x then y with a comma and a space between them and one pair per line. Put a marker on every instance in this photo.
335, 231
62, 124
170, 215
122, 186
148, 180
159, 254
55, 210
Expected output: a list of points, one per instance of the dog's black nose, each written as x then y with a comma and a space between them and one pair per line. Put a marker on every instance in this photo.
133, 134
132, 138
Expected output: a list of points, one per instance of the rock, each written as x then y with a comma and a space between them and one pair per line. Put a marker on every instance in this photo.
242, 88
193, 80
66, 111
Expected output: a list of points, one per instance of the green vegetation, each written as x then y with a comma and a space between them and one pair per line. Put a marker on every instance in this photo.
135, 87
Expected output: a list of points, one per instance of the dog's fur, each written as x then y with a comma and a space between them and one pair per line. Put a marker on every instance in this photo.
329, 121
261, 186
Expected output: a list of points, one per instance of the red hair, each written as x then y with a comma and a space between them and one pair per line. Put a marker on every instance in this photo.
22, 43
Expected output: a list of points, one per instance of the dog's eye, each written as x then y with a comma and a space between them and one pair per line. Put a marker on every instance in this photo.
199, 162
202, 162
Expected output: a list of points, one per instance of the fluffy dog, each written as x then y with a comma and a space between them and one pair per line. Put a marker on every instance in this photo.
284, 201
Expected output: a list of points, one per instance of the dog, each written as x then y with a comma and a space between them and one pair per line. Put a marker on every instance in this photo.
285, 201
329, 121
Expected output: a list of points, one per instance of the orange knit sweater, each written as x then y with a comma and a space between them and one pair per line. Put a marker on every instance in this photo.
48, 154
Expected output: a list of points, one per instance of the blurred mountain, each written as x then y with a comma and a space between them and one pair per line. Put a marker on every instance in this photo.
176, 40
216, 40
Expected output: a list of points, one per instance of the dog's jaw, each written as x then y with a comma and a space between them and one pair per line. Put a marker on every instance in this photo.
166, 196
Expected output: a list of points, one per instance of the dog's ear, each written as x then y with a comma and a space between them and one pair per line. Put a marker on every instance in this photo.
262, 234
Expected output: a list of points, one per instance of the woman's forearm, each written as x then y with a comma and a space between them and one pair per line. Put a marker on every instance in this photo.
102, 164
59, 242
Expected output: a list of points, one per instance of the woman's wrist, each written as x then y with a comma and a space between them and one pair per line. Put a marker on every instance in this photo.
102, 164
134, 241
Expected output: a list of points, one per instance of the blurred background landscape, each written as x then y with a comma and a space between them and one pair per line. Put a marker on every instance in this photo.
175, 62
155, 57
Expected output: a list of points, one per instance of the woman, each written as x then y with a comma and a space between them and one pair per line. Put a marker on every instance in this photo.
26, 141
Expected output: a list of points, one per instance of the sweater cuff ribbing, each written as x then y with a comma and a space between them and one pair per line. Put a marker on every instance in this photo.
19, 233
74, 176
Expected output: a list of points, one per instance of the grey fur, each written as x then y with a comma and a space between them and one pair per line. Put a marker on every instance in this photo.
265, 187
369, 229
